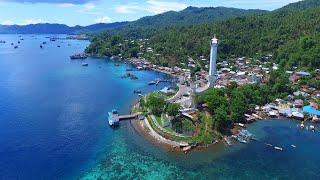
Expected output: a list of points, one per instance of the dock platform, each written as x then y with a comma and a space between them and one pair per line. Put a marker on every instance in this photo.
127, 117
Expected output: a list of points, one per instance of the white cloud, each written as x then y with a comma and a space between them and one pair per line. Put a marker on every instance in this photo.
156, 7
89, 7
31, 21
66, 5
104, 19
126, 9
7, 22
151, 6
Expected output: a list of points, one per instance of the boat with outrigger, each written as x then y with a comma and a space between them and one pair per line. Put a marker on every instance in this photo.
113, 118
244, 136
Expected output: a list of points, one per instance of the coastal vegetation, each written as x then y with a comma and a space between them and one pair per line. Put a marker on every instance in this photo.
288, 37
166, 119
218, 109
229, 105
285, 33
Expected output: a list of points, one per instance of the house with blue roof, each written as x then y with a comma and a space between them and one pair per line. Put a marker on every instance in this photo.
311, 111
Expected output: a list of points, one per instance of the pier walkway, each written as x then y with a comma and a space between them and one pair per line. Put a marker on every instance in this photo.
127, 117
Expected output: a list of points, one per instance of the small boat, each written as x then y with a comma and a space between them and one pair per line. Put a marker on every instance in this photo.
268, 144
183, 144
137, 91
312, 128
242, 140
228, 141
294, 146
186, 149
113, 119
41, 46
18, 42
16, 47
2, 42
44, 42
241, 125
58, 46
152, 83
85, 64
302, 125
11, 44
278, 148
140, 68
140, 95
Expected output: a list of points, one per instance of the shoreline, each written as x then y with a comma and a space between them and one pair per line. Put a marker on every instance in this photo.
139, 127
144, 129
131, 61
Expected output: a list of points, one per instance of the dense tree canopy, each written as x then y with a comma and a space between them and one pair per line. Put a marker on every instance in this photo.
290, 33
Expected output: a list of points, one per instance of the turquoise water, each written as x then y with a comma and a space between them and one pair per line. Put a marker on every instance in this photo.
53, 126
130, 156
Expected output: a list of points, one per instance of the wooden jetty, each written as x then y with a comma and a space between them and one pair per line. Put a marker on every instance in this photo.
127, 117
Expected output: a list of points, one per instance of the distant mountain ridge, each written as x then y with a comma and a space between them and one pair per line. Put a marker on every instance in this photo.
193, 15
149, 25
186, 17
47, 28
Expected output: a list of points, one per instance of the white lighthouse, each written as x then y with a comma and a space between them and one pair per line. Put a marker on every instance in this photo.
213, 61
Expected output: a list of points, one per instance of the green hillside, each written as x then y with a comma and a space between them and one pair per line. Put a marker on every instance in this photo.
296, 25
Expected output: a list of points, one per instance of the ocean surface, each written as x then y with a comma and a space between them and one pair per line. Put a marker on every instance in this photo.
53, 125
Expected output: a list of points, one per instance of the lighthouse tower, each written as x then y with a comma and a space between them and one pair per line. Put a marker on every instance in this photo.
213, 61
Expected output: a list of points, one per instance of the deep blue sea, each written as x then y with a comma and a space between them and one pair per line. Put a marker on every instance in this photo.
53, 125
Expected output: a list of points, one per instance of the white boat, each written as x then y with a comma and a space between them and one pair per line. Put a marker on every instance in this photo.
312, 128
294, 146
242, 140
85, 64
268, 144
302, 125
278, 148
113, 118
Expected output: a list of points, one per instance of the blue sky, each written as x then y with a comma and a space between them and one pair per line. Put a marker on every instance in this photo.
85, 12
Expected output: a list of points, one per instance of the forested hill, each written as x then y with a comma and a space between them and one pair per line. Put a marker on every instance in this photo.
301, 5
149, 25
275, 32
191, 16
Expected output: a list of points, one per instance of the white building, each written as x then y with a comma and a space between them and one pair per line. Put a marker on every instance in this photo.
213, 62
